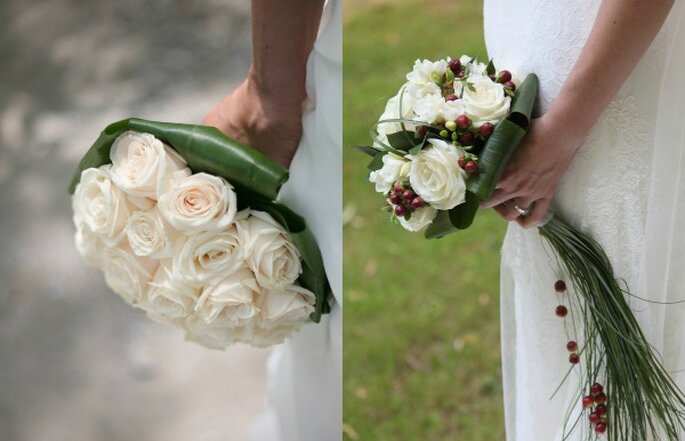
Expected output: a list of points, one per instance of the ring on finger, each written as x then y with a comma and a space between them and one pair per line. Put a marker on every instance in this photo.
525, 212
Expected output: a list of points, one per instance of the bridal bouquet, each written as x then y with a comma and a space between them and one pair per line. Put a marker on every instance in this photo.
438, 150
183, 223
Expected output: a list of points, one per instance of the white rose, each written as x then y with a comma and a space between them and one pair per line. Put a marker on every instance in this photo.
419, 219
472, 66
168, 300
127, 274
230, 302
291, 306
150, 235
433, 109
100, 205
209, 336
269, 253
436, 176
421, 81
140, 163
88, 244
386, 176
396, 110
204, 257
487, 102
199, 202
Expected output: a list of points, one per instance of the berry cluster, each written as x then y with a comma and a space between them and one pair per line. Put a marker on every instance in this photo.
504, 77
404, 200
596, 403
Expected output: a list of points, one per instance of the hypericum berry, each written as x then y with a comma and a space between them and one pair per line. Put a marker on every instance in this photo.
601, 428
408, 195
460, 74
461, 162
600, 398
401, 210
510, 85
444, 133
395, 198
574, 358
451, 97
596, 389
572, 346
462, 121
451, 126
561, 311
455, 65
471, 167
417, 203
397, 188
560, 286
486, 129
594, 418
504, 76
588, 401
466, 138
601, 409
422, 130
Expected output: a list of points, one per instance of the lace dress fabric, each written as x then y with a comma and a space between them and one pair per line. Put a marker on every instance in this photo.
625, 187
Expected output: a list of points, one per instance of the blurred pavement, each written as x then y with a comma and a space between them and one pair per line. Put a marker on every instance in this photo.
76, 363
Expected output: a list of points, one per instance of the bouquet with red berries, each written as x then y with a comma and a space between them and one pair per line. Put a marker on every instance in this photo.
438, 150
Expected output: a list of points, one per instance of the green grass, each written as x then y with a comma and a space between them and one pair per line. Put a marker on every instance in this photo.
421, 330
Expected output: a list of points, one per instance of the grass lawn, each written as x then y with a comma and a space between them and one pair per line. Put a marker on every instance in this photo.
422, 353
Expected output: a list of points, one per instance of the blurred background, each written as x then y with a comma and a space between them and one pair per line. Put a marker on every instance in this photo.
76, 363
421, 329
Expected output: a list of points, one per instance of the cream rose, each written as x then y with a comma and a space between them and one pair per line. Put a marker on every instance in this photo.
140, 163
100, 205
396, 109
209, 256
150, 235
209, 336
199, 202
421, 78
269, 253
436, 176
88, 244
290, 306
487, 102
386, 176
168, 300
230, 302
419, 219
433, 109
127, 274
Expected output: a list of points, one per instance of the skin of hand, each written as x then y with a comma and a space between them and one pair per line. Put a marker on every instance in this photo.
622, 33
265, 111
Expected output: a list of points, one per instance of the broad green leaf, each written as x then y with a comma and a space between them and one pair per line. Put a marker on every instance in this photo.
458, 218
377, 162
403, 140
491, 68
368, 150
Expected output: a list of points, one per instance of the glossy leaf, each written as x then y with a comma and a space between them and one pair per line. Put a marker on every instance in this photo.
458, 218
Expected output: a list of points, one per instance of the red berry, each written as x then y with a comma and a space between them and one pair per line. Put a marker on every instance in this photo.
601, 409
466, 139
601, 428
460, 74
588, 401
471, 167
486, 129
451, 97
455, 65
574, 358
462, 121
398, 188
572, 346
408, 195
461, 162
600, 398
504, 76
561, 311
510, 85
560, 286
594, 418
422, 130
596, 389
491, 76
395, 198
401, 210
417, 203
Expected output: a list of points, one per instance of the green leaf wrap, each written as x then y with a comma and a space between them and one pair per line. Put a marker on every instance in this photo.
449, 221
256, 178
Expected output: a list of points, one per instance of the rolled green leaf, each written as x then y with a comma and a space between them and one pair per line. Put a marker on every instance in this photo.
458, 218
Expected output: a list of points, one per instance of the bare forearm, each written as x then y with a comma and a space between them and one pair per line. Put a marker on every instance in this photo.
283, 34
621, 34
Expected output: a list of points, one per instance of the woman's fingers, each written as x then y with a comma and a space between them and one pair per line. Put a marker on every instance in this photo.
540, 208
498, 197
507, 211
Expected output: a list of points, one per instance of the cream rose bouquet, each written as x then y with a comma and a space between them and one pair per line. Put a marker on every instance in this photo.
438, 150
183, 222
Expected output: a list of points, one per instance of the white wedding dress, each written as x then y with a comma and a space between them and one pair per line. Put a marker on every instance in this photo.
305, 373
626, 188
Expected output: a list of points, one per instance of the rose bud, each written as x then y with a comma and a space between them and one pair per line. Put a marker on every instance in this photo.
486, 129
401, 210
462, 121
504, 76
408, 195
510, 85
466, 139
451, 126
417, 203
451, 97
471, 167
455, 65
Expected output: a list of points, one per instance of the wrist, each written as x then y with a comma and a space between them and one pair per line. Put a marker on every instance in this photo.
285, 90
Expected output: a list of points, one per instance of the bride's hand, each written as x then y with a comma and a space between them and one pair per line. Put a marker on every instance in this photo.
533, 174
260, 120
